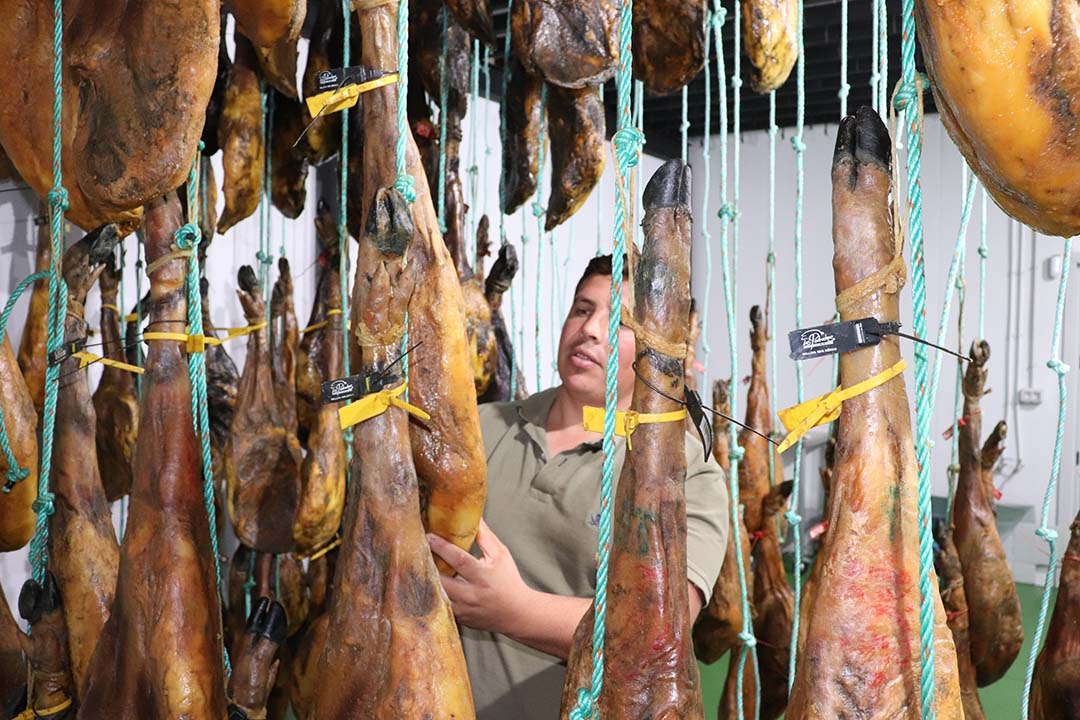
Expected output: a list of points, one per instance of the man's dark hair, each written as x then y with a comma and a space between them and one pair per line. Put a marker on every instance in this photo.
600, 265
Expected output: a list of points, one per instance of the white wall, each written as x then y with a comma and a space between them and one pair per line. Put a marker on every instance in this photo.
1018, 358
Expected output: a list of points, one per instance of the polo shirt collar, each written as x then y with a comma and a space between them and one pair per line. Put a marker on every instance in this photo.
533, 413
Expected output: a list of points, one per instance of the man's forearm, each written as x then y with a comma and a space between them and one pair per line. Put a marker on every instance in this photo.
547, 622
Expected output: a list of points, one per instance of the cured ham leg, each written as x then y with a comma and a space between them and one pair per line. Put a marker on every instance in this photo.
991, 452
83, 552
288, 166
306, 646
137, 78
953, 597
50, 683
669, 43
520, 112
576, 128
267, 22
33, 345
770, 29
221, 390
17, 514
653, 673
862, 645
754, 480
12, 662
568, 43
1055, 690
217, 98
774, 605
498, 282
997, 629
254, 666
393, 650
475, 16
809, 590
160, 655
277, 66
115, 402
254, 575
447, 450
262, 454
240, 135
322, 140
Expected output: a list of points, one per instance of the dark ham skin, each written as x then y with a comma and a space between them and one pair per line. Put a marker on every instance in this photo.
861, 658
17, 516
255, 668
950, 575
160, 654
1055, 690
809, 589
393, 650
994, 617
48, 667
520, 113
754, 480
569, 43
241, 137
650, 671
991, 452
774, 605
576, 129
669, 43
12, 662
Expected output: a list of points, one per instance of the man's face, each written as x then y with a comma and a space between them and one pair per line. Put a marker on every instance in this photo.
583, 350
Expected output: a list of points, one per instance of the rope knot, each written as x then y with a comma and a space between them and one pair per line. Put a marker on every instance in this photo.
773, 130
984, 252
15, 475
727, 212
406, 185
845, 89
538, 210
1047, 534
793, 518
187, 236
44, 503
736, 453
582, 709
1057, 366
58, 199
736, 82
473, 170
719, 17
798, 144
627, 143
202, 146
908, 91
748, 639
770, 258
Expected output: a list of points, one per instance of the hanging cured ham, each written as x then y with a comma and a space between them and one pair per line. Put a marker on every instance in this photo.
265, 23
669, 43
323, 138
475, 16
567, 43
207, 207
33, 345
50, 683
17, 514
774, 605
862, 645
83, 552
754, 480
985, 55
117, 153
1055, 690
576, 128
262, 454
394, 650
222, 380
241, 138
306, 646
254, 575
160, 655
809, 589
115, 402
277, 66
288, 166
953, 597
497, 284
771, 33
12, 662
217, 97
653, 674
448, 449
255, 669
309, 371
284, 338
991, 452
994, 616
520, 113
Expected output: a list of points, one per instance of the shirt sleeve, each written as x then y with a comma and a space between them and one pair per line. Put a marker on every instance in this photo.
707, 517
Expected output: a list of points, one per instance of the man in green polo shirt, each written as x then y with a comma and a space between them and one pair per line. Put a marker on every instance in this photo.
520, 600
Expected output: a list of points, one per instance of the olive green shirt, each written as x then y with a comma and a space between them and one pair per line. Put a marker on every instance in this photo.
546, 511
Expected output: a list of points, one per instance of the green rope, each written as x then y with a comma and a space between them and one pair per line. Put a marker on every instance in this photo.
875, 59
485, 69
187, 237
792, 515
538, 212
1046, 532
474, 168
14, 473
343, 234
706, 237
639, 123
883, 54
444, 90
728, 215
58, 297
845, 86
770, 271
984, 253
405, 182
906, 100
249, 583
958, 398
684, 126
517, 312
264, 256
627, 145
600, 205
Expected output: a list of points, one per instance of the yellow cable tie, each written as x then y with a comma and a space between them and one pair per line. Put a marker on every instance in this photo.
627, 422
377, 403
85, 358
131, 317
333, 311
31, 713
233, 333
319, 552
110, 306
322, 323
334, 101
799, 419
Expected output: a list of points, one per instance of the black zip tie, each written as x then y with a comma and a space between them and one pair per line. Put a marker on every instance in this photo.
919, 340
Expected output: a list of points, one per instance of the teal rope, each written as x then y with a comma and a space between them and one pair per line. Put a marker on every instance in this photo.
58, 297
405, 182
684, 127
736, 144
883, 54
639, 123
958, 399
875, 59
627, 145
706, 236
984, 253
845, 86
770, 271
906, 100
792, 515
187, 237
249, 583
444, 89
343, 235
485, 69
264, 256
14, 473
1046, 532
538, 212
727, 215
502, 123
474, 168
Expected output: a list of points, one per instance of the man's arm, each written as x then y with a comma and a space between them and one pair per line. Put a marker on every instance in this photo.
488, 593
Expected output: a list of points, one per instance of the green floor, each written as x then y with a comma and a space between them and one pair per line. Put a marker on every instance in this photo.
1001, 700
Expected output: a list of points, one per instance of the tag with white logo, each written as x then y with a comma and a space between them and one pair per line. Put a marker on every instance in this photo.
838, 337
341, 389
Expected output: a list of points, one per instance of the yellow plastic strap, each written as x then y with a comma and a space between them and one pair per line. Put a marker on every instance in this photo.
31, 713
85, 358
627, 422
369, 406
799, 419
334, 101
319, 552
198, 343
110, 306
232, 333
131, 317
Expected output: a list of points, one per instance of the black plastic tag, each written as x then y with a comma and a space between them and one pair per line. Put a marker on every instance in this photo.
355, 386
66, 350
340, 77
838, 337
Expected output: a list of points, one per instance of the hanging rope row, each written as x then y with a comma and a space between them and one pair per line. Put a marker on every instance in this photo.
1044, 531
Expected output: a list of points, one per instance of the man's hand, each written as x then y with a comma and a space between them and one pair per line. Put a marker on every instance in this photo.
487, 593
